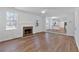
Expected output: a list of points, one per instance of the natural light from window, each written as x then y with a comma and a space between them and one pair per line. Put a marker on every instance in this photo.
11, 22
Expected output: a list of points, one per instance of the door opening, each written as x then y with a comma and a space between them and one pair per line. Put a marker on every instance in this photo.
56, 26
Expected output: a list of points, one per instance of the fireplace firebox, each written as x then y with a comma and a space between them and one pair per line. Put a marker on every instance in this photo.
27, 31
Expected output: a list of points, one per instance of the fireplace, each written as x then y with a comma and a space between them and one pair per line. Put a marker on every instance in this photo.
27, 31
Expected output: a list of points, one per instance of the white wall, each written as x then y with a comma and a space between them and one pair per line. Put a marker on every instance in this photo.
70, 19
77, 26
71, 24
24, 19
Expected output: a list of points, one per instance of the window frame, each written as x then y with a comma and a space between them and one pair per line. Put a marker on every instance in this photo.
9, 24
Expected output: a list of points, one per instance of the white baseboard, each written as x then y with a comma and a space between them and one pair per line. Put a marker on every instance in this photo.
59, 33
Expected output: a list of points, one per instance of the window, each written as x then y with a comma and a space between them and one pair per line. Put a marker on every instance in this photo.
11, 18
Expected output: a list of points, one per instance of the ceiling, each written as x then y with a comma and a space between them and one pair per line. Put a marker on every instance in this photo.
49, 10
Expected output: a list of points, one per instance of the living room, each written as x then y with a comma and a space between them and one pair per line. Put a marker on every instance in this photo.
24, 22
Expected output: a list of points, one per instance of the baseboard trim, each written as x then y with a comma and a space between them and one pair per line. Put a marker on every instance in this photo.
20, 37
59, 33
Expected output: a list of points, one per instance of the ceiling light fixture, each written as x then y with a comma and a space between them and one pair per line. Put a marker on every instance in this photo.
54, 17
44, 11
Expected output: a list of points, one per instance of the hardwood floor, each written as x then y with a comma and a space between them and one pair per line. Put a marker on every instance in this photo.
41, 42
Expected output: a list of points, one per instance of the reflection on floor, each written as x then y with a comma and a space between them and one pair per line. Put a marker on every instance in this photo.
61, 30
40, 42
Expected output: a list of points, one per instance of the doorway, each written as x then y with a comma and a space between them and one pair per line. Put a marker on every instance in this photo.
56, 26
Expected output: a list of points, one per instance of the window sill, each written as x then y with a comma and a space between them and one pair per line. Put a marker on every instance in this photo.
10, 28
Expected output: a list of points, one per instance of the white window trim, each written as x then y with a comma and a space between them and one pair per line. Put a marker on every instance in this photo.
10, 27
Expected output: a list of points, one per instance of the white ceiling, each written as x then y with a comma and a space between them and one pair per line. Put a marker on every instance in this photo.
50, 10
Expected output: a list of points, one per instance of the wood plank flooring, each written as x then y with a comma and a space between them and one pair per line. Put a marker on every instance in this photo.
41, 42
